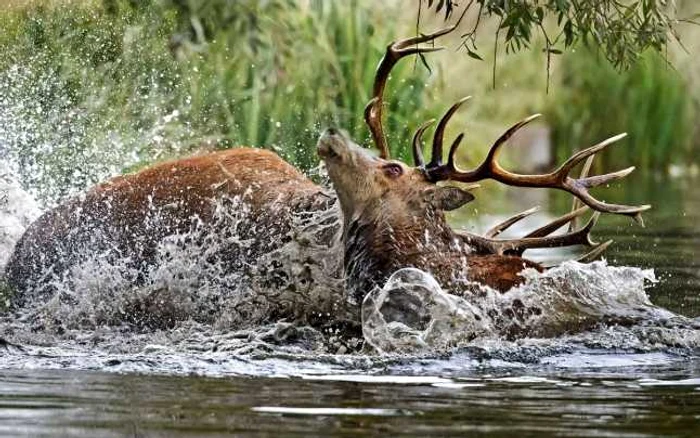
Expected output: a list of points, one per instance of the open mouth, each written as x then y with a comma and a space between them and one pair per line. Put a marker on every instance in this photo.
325, 144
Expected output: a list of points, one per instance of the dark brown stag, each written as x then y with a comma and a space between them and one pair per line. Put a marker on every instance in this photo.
394, 214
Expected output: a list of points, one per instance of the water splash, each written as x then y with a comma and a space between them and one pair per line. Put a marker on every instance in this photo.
56, 146
226, 272
412, 314
17, 210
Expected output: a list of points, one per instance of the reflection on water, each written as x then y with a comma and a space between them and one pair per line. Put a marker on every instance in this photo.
503, 403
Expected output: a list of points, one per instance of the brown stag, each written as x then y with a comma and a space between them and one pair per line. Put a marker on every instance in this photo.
393, 214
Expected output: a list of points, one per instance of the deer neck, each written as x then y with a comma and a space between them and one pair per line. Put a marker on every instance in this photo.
378, 243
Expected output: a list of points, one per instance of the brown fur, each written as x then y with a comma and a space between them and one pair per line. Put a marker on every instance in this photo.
117, 215
388, 224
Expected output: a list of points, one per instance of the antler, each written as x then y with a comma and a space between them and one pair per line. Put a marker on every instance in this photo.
394, 52
540, 238
436, 171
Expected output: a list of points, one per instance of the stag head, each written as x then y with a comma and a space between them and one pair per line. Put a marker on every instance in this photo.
394, 213
367, 184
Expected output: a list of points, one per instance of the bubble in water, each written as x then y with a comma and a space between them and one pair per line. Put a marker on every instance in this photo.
411, 313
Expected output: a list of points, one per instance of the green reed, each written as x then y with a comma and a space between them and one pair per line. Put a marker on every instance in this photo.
112, 85
651, 102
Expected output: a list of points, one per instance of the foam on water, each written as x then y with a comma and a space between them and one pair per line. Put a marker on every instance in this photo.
413, 314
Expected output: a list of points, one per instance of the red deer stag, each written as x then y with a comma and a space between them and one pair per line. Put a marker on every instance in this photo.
394, 214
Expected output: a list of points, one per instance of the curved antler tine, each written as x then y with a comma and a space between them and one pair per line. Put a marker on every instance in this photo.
578, 237
501, 227
493, 152
373, 118
576, 204
589, 226
596, 252
436, 156
417, 146
565, 168
557, 223
627, 210
394, 52
453, 150
597, 180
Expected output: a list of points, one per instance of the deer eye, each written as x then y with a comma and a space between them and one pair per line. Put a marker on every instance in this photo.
393, 170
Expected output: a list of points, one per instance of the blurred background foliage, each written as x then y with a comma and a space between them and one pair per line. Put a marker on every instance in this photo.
92, 88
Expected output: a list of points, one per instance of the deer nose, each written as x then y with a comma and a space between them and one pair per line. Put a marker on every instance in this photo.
326, 143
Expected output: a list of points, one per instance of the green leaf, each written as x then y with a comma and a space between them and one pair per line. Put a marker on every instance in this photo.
424, 61
473, 54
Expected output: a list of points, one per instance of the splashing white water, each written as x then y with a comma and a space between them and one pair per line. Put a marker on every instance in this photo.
17, 210
213, 274
412, 314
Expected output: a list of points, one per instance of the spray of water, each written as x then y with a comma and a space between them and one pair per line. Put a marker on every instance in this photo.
412, 314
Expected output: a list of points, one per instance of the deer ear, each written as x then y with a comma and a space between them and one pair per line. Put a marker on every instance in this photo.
448, 198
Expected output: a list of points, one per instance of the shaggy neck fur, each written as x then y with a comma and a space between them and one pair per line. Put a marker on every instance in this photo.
378, 243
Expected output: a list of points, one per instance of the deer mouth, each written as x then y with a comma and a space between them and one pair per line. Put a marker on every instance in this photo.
325, 146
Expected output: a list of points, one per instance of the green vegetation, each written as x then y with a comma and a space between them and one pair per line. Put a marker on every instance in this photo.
91, 88
651, 102
94, 88
620, 30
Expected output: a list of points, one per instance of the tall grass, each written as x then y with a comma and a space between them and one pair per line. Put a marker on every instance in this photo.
651, 102
92, 88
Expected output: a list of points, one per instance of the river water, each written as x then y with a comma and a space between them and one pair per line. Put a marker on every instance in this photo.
197, 381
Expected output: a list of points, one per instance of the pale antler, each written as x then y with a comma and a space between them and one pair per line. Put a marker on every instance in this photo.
436, 171
394, 52
540, 238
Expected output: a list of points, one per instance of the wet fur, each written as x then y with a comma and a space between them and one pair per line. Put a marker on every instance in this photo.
128, 215
116, 217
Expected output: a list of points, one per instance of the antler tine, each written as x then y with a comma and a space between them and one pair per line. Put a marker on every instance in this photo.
487, 168
558, 179
596, 252
417, 146
501, 227
578, 237
490, 160
576, 203
559, 222
579, 156
453, 149
436, 158
518, 246
581, 236
394, 52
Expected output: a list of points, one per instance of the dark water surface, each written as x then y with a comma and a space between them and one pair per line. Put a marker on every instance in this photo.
501, 402
599, 393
